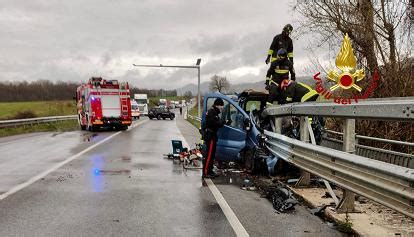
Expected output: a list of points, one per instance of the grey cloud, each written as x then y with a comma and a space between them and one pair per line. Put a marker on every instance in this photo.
73, 40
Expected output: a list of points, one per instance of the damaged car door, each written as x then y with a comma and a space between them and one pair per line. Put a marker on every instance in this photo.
232, 137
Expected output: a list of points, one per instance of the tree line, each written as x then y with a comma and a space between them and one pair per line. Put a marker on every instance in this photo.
44, 90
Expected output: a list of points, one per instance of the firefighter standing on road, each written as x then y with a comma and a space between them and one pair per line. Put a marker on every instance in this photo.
278, 75
281, 41
213, 124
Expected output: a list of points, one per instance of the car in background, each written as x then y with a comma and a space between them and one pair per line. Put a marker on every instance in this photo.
161, 113
135, 112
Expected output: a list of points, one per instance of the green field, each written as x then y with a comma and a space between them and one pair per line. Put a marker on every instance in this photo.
20, 110
11, 110
60, 126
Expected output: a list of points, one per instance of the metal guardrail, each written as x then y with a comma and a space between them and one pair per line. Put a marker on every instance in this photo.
388, 156
194, 118
399, 108
388, 184
384, 183
372, 138
31, 121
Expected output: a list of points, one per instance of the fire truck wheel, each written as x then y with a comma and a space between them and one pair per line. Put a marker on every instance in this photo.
92, 128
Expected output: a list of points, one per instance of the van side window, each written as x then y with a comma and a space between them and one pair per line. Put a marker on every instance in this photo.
230, 112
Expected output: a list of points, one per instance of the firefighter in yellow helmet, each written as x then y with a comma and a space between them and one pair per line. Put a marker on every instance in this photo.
281, 41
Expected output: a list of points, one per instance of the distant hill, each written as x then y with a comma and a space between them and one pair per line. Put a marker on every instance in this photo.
259, 86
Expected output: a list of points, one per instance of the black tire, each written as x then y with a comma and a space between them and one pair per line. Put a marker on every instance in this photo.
83, 127
159, 117
92, 128
172, 117
138, 117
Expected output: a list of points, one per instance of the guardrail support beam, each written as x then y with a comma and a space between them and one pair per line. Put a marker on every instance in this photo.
348, 128
347, 203
304, 179
278, 125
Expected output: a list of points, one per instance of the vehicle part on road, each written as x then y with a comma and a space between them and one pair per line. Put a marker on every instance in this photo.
282, 199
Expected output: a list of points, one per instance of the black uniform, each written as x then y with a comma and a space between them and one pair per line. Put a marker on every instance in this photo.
281, 41
278, 71
296, 92
213, 124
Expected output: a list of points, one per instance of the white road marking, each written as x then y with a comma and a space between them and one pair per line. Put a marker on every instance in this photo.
228, 212
57, 166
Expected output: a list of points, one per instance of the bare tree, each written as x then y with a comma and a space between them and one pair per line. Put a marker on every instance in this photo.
219, 83
381, 33
188, 95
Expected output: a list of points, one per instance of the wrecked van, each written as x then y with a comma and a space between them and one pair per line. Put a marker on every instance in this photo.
242, 140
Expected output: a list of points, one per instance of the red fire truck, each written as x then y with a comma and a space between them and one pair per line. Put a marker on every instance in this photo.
103, 103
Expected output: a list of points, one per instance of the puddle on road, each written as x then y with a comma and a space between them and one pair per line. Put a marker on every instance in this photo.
113, 172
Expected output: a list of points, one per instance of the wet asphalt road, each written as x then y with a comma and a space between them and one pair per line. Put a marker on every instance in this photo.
124, 187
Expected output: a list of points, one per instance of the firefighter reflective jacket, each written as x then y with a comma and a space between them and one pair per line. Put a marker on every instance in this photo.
297, 92
281, 41
279, 70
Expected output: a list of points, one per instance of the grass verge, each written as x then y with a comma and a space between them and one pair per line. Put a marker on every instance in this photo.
59, 126
11, 110
194, 112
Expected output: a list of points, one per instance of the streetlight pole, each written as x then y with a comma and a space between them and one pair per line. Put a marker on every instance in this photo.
197, 66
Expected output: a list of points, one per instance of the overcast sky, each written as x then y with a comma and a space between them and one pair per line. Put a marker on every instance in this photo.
74, 40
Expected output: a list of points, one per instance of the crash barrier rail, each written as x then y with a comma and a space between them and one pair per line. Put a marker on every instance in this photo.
31, 121
388, 184
384, 155
194, 117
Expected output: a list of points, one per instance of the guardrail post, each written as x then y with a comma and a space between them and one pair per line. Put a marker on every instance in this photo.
186, 112
347, 203
304, 179
278, 125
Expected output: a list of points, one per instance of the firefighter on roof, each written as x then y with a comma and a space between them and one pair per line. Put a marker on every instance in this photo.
281, 41
278, 72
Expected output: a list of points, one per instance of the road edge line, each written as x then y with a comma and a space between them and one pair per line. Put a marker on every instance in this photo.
225, 208
32, 180
228, 212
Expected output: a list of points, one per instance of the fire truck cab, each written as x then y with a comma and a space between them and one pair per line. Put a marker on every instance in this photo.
103, 103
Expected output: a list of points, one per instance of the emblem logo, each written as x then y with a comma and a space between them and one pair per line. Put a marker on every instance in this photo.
347, 77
